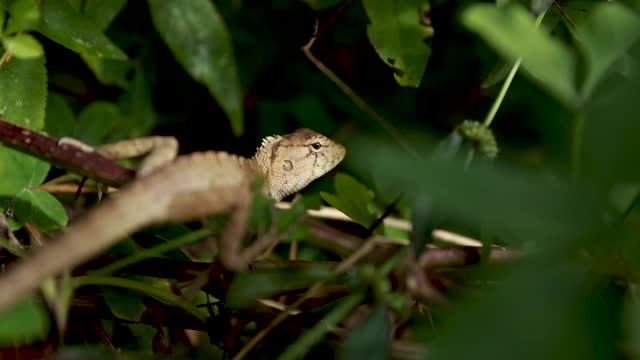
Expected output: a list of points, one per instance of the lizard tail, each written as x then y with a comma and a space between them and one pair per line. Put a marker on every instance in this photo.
83, 239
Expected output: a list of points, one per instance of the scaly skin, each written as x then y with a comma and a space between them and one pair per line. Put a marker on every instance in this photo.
191, 187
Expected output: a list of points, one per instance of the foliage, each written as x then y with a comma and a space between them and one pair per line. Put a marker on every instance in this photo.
403, 85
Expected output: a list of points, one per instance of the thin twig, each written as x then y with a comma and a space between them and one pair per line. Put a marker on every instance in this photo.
558, 6
68, 188
357, 100
330, 213
319, 30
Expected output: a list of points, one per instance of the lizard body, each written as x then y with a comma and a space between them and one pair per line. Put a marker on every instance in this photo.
189, 188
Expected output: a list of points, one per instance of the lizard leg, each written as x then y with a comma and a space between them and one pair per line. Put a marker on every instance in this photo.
265, 242
231, 242
236, 202
159, 150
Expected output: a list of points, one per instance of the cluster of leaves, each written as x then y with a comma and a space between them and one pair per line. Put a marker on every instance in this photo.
567, 76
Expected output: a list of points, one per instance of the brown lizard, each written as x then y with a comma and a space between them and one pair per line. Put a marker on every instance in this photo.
189, 188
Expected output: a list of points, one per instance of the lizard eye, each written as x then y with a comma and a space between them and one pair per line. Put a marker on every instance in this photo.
316, 146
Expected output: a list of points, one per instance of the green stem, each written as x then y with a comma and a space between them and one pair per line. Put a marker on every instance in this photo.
507, 82
302, 345
502, 93
155, 251
161, 294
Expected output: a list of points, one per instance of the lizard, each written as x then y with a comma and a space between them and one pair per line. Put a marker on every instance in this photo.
191, 187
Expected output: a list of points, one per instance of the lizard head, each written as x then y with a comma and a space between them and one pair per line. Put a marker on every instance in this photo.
290, 162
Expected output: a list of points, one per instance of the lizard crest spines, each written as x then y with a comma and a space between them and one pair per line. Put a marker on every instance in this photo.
269, 140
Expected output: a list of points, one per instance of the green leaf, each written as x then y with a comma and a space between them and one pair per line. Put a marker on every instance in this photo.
23, 92
198, 38
247, 287
25, 322
511, 31
447, 148
23, 46
540, 6
370, 338
288, 221
102, 12
573, 13
24, 15
499, 73
19, 171
63, 24
109, 72
610, 132
398, 36
76, 4
545, 312
631, 321
39, 208
59, 119
124, 303
97, 121
137, 108
605, 38
3, 17
557, 211
352, 198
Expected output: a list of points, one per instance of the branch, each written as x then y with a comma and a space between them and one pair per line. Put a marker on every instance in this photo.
90, 164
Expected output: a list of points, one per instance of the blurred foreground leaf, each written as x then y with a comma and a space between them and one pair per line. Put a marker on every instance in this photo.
510, 30
610, 130
517, 204
605, 37
540, 311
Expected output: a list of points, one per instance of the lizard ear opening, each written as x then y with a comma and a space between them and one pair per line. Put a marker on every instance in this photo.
287, 165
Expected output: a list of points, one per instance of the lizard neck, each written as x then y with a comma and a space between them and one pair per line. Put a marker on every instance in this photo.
261, 164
